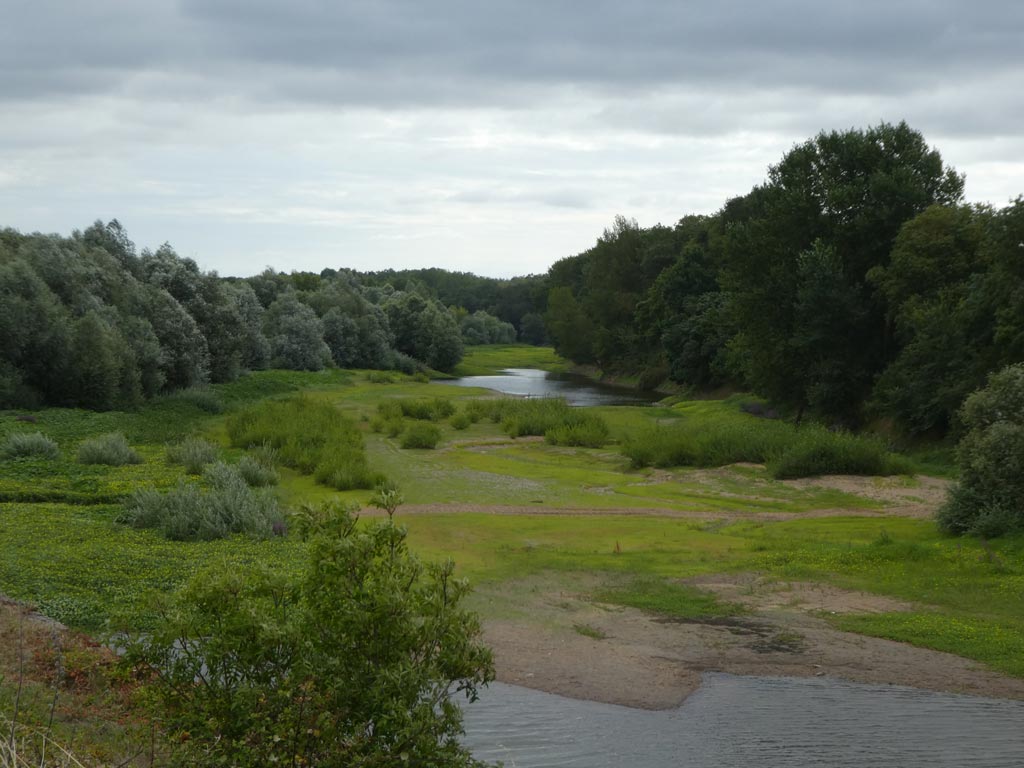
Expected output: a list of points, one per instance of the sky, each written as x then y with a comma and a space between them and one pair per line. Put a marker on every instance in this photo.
490, 136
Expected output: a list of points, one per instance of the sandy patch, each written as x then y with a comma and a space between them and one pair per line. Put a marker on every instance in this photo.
562, 644
918, 496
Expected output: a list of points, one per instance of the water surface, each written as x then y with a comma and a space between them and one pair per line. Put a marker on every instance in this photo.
576, 389
753, 722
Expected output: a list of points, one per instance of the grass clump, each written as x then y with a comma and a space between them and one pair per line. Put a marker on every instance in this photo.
716, 434
309, 436
111, 449
202, 398
460, 421
817, 451
422, 408
192, 453
421, 436
256, 473
36, 444
669, 599
589, 433
190, 513
346, 469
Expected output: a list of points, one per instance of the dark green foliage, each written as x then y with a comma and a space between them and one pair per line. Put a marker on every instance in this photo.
202, 398
818, 451
484, 328
549, 417
18, 444
111, 449
361, 661
460, 421
589, 433
296, 335
345, 469
193, 454
989, 499
421, 435
190, 513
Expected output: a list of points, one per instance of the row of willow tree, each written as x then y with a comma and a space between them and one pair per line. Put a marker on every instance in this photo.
854, 282
87, 321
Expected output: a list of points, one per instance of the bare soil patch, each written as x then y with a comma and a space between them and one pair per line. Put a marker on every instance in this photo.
639, 660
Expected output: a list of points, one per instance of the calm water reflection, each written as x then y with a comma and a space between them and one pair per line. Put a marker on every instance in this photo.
577, 390
753, 722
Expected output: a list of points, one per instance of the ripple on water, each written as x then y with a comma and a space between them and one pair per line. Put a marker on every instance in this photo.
752, 721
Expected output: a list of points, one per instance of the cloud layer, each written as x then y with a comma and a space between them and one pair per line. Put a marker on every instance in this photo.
494, 137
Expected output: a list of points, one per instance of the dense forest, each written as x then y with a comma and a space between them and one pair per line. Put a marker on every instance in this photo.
854, 283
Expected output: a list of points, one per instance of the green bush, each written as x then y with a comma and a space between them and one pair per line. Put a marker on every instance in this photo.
381, 377
715, 435
346, 469
192, 453
359, 661
817, 451
460, 421
189, 513
423, 408
988, 499
29, 444
256, 473
421, 436
592, 433
111, 449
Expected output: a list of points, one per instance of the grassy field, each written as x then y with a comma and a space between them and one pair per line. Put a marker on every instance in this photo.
506, 509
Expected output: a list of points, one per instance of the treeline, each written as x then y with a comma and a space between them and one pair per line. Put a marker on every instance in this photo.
854, 282
87, 321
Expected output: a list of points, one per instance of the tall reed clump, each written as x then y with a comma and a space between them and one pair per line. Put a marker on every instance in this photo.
422, 408
421, 435
21, 444
192, 453
551, 417
111, 449
190, 513
309, 436
713, 438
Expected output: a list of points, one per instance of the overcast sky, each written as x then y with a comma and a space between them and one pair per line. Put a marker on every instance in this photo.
493, 136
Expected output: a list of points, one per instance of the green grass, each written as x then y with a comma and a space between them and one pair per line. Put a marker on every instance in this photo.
677, 601
490, 359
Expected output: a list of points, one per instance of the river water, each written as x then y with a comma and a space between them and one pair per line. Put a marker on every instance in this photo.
753, 722
577, 390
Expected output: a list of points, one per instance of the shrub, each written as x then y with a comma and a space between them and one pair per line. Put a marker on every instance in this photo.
538, 416
111, 449
193, 453
592, 433
256, 473
188, 513
988, 499
425, 409
460, 421
29, 444
360, 660
816, 451
346, 469
381, 377
421, 436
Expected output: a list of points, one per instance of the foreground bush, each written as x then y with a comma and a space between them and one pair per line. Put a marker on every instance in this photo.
111, 449
989, 499
256, 473
361, 661
192, 453
345, 469
816, 451
29, 444
589, 433
190, 513
421, 436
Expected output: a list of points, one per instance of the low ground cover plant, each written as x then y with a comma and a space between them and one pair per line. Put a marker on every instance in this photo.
36, 444
111, 449
190, 512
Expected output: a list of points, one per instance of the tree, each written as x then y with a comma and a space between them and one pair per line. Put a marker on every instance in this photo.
989, 499
360, 662
296, 335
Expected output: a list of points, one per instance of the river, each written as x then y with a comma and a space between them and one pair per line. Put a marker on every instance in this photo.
577, 390
753, 722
